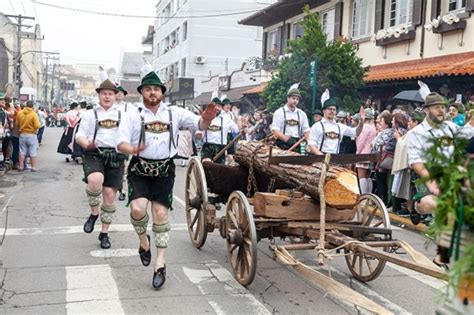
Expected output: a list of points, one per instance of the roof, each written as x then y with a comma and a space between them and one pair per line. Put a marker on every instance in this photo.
132, 62
148, 39
449, 65
256, 90
233, 94
279, 11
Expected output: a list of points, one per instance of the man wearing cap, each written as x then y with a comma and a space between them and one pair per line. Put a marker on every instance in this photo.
433, 126
216, 136
326, 135
317, 115
123, 106
103, 166
289, 122
149, 133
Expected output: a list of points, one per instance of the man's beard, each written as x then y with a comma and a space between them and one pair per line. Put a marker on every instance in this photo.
435, 119
152, 101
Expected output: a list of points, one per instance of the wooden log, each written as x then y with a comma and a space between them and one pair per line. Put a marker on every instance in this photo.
275, 206
341, 189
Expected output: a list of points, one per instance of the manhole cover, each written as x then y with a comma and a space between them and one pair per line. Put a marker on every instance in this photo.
5, 183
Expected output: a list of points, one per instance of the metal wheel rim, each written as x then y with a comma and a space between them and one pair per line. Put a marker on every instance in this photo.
365, 267
243, 257
196, 186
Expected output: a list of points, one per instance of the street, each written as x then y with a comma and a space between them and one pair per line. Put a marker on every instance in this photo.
50, 266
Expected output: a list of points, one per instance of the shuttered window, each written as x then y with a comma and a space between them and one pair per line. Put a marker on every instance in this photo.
327, 21
400, 12
361, 17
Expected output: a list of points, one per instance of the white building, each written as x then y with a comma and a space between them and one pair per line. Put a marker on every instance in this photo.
199, 39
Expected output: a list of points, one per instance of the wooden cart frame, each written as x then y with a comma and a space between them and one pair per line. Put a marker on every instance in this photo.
366, 241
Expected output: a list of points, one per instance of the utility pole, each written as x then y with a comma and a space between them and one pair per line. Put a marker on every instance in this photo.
226, 66
46, 77
17, 76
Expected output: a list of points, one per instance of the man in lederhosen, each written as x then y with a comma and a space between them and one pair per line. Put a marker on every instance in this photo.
149, 133
289, 122
216, 136
103, 166
326, 135
123, 107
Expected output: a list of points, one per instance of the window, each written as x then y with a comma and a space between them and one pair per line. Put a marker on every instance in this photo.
400, 12
456, 5
158, 52
185, 31
327, 21
176, 70
183, 67
273, 48
361, 17
297, 31
177, 35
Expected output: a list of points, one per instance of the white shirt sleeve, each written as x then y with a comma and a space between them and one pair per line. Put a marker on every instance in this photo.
187, 119
85, 124
278, 120
415, 148
305, 123
129, 128
315, 134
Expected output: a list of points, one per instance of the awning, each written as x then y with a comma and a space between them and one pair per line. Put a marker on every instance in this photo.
233, 94
256, 90
450, 65
279, 11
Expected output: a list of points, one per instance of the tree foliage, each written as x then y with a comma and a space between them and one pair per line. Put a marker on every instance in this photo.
339, 69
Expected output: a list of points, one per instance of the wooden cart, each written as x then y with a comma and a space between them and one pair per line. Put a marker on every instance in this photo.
365, 239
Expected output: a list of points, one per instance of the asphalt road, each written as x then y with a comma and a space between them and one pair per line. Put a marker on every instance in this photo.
49, 266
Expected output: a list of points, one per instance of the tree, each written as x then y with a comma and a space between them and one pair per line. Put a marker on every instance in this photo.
339, 69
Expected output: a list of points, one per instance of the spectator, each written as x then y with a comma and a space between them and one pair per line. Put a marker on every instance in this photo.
384, 143
29, 124
364, 146
455, 114
317, 115
42, 119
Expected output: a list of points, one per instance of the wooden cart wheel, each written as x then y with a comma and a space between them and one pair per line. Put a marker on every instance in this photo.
241, 237
195, 202
368, 211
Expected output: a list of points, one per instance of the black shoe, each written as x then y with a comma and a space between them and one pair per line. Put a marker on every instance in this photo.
89, 225
145, 255
159, 277
121, 196
415, 217
104, 240
403, 213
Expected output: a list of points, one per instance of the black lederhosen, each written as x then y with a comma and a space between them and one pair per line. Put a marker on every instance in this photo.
210, 150
94, 162
153, 188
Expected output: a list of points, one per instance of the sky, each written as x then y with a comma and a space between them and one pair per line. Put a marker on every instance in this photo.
84, 37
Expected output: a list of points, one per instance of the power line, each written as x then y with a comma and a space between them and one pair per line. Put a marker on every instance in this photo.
142, 16
13, 8
36, 13
23, 6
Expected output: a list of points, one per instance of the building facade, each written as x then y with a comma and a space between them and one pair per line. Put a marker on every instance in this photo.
31, 61
191, 41
401, 40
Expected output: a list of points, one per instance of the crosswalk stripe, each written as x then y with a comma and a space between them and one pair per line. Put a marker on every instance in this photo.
215, 274
92, 290
78, 229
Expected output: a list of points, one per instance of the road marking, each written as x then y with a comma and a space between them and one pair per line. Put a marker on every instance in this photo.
7, 203
79, 229
362, 289
108, 253
430, 281
92, 290
179, 200
208, 280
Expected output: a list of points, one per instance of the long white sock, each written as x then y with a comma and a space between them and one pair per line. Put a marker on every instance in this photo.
369, 185
365, 185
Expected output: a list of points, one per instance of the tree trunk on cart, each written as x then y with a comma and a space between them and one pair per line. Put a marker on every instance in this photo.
341, 189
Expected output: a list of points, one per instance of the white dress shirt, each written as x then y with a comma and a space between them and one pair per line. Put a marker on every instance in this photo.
107, 129
159, 144
124, 107
296, 122
332, 135
419, 139
219, 129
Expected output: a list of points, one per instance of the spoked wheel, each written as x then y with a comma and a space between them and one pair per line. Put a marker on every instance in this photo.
241, 237
370, 211
196, 200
